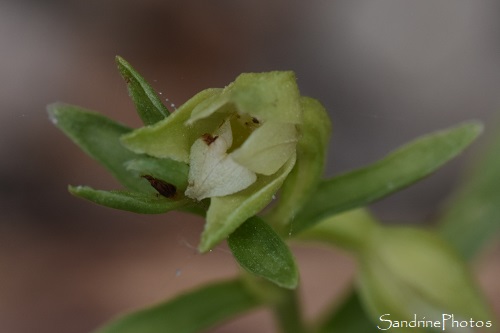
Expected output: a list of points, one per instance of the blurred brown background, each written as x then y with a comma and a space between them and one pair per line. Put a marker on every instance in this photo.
387, 71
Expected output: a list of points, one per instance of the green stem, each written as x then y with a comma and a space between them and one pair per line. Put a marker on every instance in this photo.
284, 303
287, 313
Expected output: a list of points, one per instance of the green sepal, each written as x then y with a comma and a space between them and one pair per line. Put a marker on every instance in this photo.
398, 170
170, 171
142, 203
99, 137
262, 252
271, 96
146, 100
314, 135
191, 312
171, 137
227, 213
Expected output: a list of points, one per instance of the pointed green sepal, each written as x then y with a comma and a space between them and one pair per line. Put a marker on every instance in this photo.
261, 251
314, 135
270, 96
170, 138
146, 100
142, 203
167, 170
229, 212
99, 137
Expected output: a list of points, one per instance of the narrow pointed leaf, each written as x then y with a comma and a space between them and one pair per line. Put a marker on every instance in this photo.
261, 251
311, 155
398, 170
98, 136
228, 213
142, 203
147, 103
472, 217
192, 312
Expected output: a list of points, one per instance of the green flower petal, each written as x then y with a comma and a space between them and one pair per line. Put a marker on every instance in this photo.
311, 156
170, 138
206, 108
228, 213
267, 148
271, 96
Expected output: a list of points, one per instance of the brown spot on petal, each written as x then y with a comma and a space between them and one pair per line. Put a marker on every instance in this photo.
208, 139
255, 120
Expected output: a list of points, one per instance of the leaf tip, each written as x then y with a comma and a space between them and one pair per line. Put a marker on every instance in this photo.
75, 190
205, 245
477, 127
52, 110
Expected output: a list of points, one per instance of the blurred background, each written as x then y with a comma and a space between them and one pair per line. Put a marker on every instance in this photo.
387, 72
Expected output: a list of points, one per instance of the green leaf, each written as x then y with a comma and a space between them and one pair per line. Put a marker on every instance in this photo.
142, 203
311, 155
168, 170
148, 104
171, 137
350, 317
99, 137
472, 217
227, 213
189, 313
398, 170
262, 252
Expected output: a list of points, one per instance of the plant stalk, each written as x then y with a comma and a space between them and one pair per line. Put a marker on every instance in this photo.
288, 315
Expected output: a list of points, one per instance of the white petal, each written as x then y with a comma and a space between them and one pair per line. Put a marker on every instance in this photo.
212, 172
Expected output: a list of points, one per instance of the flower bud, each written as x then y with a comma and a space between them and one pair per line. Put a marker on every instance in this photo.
407, 272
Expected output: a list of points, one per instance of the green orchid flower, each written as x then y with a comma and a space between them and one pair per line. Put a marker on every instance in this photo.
406, 271
240, 144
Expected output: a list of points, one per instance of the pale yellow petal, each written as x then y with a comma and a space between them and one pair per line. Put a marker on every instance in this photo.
267, 148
